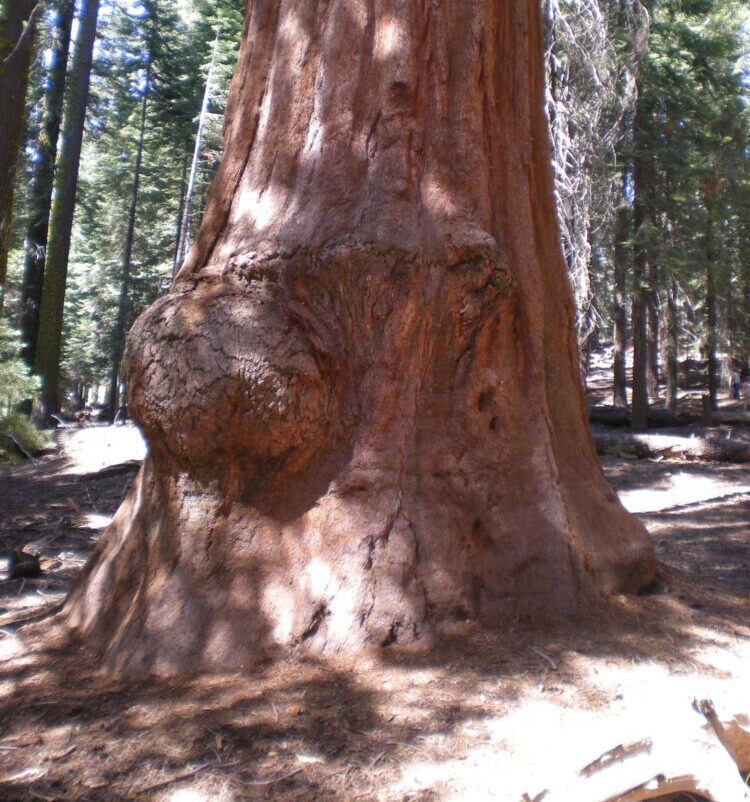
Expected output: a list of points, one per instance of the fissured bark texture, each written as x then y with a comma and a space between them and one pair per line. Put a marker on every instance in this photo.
362, 395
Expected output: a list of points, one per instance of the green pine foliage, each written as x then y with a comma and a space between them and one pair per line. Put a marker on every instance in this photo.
695, 95
684, 65
16, 382
180, 46
178, 38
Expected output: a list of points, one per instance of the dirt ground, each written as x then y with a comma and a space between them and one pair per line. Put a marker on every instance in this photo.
481, 715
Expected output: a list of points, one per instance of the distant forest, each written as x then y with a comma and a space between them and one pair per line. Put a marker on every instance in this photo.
649, 111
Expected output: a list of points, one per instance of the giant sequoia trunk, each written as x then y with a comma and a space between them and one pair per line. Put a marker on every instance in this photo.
362, 395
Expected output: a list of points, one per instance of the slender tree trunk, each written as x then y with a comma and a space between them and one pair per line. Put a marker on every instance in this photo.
652, 301
732, 317
118, 337
641, 224
47, 361
640, 360
672, 350
362, 396
622, 235
41, 189
711, 320
17, 24
184, 242
183, 192
673, 344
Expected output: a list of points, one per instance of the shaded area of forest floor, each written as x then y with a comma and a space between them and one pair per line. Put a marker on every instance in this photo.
484, 715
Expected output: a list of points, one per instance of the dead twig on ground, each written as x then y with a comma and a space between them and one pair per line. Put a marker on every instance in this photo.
545, 657
619, 752
21, 448
272, 780
186, 775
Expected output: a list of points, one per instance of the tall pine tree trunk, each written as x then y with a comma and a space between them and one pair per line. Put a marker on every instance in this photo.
652, 300
118, 336
185, 234
640, 358
672, 349
711, 318
47, 360
673, 344
641, 225
181, 211
41, 188
362, 396
622, 236
17, 23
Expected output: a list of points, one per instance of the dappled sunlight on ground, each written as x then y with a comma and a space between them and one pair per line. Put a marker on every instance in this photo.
678, 488
484, 714
95, 448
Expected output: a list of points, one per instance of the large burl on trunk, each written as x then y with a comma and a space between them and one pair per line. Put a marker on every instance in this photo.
362, 395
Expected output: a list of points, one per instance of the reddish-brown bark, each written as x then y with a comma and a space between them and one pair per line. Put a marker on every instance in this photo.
362, 395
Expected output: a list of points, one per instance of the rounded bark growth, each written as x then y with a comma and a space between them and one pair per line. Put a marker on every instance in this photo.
362, 396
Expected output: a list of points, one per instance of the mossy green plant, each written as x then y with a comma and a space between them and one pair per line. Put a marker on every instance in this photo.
19, 437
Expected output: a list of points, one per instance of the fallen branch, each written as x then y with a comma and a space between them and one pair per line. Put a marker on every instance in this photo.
733, 738
21, 448
186, 775
545, 657
619, 752
28, 27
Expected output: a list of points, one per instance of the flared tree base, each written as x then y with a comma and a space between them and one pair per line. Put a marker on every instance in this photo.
347, 449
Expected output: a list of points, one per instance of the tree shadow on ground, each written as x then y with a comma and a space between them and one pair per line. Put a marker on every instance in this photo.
655, 475
707, 548
300, 729
349, 728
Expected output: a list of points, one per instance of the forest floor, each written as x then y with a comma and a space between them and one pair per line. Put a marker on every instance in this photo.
483, 715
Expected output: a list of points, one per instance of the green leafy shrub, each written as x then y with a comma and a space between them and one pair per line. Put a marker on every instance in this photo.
17, 433
19, 436
16, 381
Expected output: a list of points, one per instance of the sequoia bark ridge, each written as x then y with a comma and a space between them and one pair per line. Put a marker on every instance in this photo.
362, 395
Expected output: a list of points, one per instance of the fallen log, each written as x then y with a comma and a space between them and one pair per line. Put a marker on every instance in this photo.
734, 738
704, 446
664, 418
115, 470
